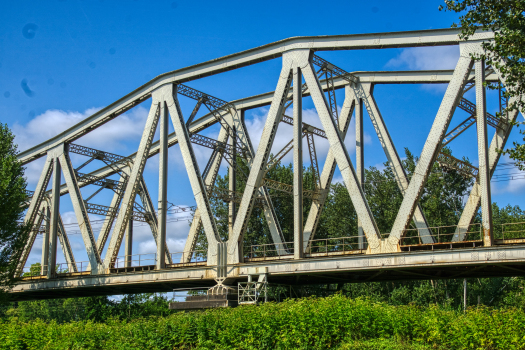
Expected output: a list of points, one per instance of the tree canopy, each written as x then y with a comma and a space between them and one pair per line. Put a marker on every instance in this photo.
506, 18
12, 196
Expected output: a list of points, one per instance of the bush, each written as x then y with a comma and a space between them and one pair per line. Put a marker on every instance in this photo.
310, 323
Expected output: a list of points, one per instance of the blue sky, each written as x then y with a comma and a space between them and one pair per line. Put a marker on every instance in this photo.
62, 60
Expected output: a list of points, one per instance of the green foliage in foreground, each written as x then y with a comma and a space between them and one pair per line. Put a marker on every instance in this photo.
312, 323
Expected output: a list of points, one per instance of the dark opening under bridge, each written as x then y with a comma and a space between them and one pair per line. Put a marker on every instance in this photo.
412, 249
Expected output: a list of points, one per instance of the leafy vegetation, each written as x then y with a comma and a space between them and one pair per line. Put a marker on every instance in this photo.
310, 323
13, 235
506, 18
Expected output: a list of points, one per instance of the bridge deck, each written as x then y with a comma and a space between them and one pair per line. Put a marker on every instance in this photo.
348, 267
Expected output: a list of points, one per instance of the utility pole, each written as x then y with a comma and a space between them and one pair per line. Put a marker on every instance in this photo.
464, 294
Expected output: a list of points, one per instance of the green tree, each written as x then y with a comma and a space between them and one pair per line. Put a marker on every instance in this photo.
13, 234
506, 18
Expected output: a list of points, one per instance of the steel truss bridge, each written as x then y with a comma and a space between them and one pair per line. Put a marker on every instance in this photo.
420, 252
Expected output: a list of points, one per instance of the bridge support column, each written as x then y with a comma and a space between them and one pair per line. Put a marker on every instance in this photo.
163, 187
45, 240
33, 211
298, 163
128, 246
232, 183
53, 218
484, 174
360, 163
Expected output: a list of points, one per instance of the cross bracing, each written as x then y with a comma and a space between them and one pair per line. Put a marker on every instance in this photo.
233, 147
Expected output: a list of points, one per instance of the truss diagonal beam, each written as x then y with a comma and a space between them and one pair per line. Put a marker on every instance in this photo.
365, 92
268, 209
66, 246
328, 171
133, 183
343, 160
210, 175
258, 165
80, 212
498, 142
111, 216
192, 168
431, 147
313, 160
33, 211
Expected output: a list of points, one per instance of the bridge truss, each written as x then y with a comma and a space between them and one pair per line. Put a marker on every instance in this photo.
304, 73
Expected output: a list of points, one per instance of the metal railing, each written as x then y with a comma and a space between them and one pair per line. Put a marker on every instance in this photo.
195, 257
135, 260
337, 245
510, 231
40, 271
442, 234
271, 250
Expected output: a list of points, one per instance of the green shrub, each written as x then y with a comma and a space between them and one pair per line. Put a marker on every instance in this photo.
311, 323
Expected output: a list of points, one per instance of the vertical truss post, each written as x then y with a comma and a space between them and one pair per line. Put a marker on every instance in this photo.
498, 142
163, 184
232, 183
298, 163
128, 246
53, 218
45, 240
328, 170
343, 160
192, 167
360, 162
133, 182
259, 161
365, 92
484, 170
152, 218
209, 180
432, 145
80, 210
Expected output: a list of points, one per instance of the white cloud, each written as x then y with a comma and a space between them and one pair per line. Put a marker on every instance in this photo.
112, 136
426, 58
507, 179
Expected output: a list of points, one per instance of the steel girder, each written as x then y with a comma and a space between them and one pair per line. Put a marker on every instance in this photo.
297, 61
409, 77
249, 57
